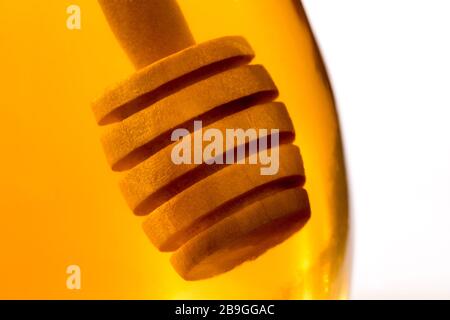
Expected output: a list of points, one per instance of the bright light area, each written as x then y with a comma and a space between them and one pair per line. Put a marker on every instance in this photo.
389, 61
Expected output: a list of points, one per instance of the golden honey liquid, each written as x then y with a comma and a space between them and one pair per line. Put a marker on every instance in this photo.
60, 204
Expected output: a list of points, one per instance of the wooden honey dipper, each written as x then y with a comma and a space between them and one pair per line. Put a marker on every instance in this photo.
213, 216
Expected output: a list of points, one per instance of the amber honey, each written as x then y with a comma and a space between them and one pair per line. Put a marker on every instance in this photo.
60, 203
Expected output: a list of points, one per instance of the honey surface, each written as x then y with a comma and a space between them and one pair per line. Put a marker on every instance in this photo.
60, 204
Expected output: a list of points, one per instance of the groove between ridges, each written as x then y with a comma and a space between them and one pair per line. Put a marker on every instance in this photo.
192, 211
238, 86
243, 236
170, 75
157, 179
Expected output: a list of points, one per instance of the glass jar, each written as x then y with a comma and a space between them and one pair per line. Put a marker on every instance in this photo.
60, 202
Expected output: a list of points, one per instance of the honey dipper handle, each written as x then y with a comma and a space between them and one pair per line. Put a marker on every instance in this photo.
148, 30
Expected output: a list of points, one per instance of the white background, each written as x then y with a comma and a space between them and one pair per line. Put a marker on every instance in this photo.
389, 62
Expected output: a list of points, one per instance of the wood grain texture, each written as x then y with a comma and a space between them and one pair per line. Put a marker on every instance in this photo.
243, 236
121, 139
157, 179
148, 30
168, 75
194, 210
